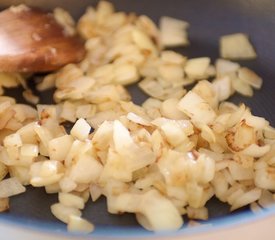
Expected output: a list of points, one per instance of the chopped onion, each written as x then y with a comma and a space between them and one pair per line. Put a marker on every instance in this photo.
173, 32
81, 129
63, 212
78, 224
236, 46
10, 187
250, 77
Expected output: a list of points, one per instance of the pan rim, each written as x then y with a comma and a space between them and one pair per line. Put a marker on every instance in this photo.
106, 231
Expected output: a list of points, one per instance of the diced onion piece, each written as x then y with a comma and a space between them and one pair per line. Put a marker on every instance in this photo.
103, 135
47, 82
80, 225
59, 147
234, 193
158, 213
101, 117
246, 198
143, 41
133, 156
255, 208
68, 111
173, 32
265, 179
151, 87
206, 167
24, 112
250, 77
71, 200
224, 67
104, 10
210, 72
65, 20
223, 87
122, 138
239, 173
67, 184
95, 192
6, 159
240, 137
116, 167
196, 68
63, 212
22, 173
127, 157
81, 129
49, 168
4, 106
29, 150
220, 186
13, 125
258, 123
8, 99
169, 109
206, 132
196, 108
151, 103
137, 119
30, 97
148, 26
170, 73
269, 132
10, 187
206, 91
85, 111
76, 88
9, 80
85, 195
126, 74
13, 153
256, 151
13, 140
53, 188
185, 125
266, 200
44, 134
172, 57
5, 117
77, 146
236, 46
46, 173
242, 87
86, 169
176, 92
173, 133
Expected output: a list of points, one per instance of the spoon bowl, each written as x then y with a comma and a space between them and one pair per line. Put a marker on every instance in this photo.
31, 40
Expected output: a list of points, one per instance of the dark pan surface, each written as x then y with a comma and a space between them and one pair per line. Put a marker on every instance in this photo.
209, 20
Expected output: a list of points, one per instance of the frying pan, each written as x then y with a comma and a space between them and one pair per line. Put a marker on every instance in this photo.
209, 20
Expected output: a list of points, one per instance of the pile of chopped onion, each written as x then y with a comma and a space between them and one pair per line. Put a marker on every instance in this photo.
161, 160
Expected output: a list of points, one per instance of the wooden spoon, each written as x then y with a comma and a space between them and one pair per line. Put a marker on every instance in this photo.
32, 41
